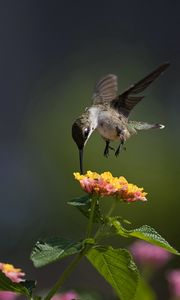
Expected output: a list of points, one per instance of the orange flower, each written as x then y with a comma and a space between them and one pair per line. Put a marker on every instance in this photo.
106, 185
12, 273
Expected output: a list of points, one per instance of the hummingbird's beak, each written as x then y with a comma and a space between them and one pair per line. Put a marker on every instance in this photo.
81, 160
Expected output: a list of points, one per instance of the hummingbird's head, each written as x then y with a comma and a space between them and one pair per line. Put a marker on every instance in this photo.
81, 131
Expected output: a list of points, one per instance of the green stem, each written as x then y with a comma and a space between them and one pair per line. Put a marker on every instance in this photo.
112, 208
77, 259
99, 231
90, 223
64, 276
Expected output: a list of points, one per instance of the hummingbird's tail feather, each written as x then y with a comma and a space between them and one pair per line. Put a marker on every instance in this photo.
144, 126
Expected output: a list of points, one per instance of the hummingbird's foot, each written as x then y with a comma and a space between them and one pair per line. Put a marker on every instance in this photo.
106, 150
111, 148
119, 149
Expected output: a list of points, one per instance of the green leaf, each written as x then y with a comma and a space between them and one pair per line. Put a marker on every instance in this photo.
23, 288
150, 235
118, 268
144, 291
80, 201
145, 233
83, 204
53, 249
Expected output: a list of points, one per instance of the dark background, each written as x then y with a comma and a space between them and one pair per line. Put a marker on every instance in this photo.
51, 54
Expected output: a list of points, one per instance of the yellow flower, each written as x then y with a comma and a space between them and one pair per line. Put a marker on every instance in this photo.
106, 185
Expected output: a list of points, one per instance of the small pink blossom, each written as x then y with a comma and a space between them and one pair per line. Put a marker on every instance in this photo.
14, 274
173, 278
70, 295
5, 295
146, 254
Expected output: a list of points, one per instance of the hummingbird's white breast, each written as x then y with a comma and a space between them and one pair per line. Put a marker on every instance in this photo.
93, 116
110, 126
106, 126
108, 123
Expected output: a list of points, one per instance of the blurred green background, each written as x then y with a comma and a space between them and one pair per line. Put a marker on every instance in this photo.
51, 55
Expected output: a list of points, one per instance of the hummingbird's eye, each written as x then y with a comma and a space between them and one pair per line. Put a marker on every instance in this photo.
86, 132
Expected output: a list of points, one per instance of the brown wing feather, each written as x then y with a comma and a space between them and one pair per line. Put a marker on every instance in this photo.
105, 89
126, 101
130, 102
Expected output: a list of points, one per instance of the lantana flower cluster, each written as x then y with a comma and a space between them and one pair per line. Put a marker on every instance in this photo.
14, 274
106, 185
148, 255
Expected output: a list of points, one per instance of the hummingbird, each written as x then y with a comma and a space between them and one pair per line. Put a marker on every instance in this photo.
109, 113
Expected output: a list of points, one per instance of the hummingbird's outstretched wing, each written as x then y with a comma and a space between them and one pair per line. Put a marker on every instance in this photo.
105, 89
126, 101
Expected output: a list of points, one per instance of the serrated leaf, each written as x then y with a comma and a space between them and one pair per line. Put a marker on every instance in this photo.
144, 291
118, 268
150, 235
23, 288
53, 249
83, 204
145, 233
80, 201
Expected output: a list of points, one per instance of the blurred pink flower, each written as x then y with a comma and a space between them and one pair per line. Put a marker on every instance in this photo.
12, 273
70, 295
146, 254
173, 278
4, 295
